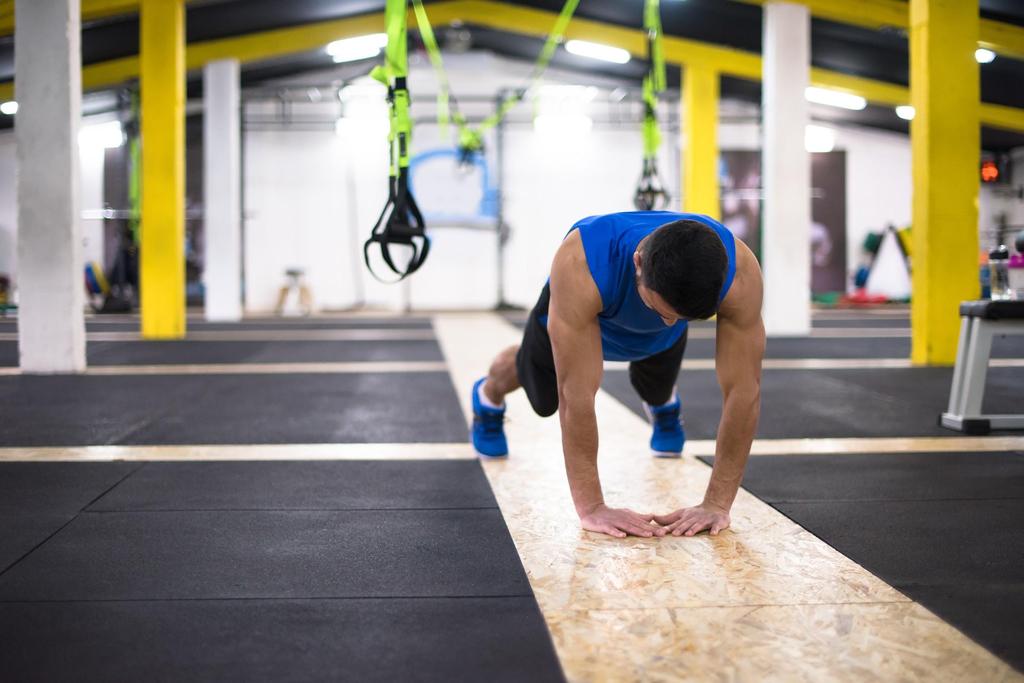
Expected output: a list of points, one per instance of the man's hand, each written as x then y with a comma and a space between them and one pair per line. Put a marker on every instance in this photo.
690, 521
619, 522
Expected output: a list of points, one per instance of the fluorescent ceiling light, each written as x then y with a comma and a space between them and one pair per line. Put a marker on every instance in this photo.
10, 108
819, 139
606, 53
984, 56
905, 112
101, 135
835, 98
361, 47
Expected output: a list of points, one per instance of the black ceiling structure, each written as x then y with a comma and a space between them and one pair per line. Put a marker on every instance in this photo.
877, 54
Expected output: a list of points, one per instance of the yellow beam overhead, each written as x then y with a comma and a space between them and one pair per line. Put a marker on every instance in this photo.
877, 92
162, 267
499, 15
1005, 39
944, 141
1001, 116
255, 47
99, 9
535, 22
873, 14
91, 10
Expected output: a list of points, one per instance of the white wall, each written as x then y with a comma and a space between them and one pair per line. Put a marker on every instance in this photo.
551, 183
879, 185
312, 197
296, 216
91, 198
90, 159
328, 190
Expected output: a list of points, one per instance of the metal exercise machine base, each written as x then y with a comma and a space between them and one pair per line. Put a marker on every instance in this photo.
981, 321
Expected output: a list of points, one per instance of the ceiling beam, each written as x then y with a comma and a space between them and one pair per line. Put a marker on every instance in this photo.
91, 11
1003, 38
502, 16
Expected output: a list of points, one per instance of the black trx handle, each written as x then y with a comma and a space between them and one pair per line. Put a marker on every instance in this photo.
650, 191
400, 223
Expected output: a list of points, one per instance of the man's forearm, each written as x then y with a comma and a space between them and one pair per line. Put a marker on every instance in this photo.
740, 412
579, 444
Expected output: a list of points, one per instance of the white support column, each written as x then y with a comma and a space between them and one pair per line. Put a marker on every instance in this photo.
786, 169
222, 270
48, 89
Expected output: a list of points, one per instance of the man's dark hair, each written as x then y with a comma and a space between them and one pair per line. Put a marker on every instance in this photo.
685, 263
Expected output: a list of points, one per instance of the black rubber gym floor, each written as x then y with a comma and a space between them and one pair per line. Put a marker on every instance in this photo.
121, 324
946, 529
837, 347
847, 347
340, 570
139, 353
69, 410
200, 352
834, 403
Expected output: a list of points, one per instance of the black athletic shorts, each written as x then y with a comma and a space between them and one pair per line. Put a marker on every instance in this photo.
654, 378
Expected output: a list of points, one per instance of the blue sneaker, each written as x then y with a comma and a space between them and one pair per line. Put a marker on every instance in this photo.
488, 431
668, 437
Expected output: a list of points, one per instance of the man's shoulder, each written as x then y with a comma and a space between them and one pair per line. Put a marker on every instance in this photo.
570, 273
570, 253
744, 297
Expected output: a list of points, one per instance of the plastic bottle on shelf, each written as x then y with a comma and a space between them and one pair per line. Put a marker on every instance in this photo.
1016, 273
999, 275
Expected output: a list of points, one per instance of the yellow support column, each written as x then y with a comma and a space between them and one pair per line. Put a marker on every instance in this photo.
945, 142
700, 156
162, 80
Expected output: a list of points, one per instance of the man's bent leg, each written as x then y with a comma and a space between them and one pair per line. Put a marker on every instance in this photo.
654, 378
502, 378
535, 361
530, 366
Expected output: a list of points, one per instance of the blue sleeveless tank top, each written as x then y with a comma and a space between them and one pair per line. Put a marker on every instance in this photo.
629, 329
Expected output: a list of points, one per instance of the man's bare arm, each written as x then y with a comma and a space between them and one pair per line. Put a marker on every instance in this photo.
738, 355
579, 366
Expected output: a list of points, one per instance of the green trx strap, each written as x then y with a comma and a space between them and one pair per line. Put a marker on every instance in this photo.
134, 171
650, 191
401, 221
434, 52
471, 140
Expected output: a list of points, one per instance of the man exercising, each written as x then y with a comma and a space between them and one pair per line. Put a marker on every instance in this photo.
622, 288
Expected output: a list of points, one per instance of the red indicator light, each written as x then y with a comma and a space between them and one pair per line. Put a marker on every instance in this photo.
989, 172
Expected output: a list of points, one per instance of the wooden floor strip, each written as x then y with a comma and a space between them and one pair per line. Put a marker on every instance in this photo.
764, 601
